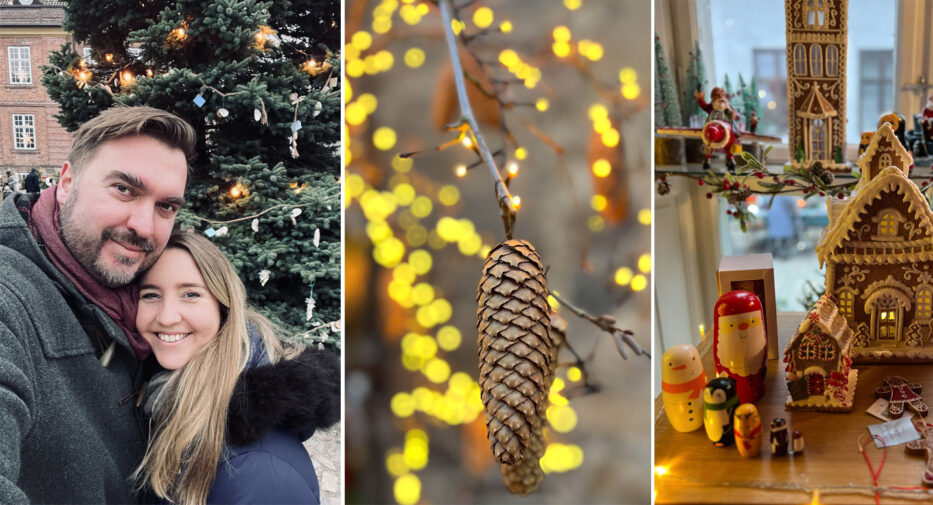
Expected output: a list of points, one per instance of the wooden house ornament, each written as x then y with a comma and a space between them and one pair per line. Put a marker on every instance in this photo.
878, 252
818, 367
816, 82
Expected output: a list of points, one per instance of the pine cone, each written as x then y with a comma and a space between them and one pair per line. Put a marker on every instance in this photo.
738, 195
827, 177
664, 187
817, 169
514, 348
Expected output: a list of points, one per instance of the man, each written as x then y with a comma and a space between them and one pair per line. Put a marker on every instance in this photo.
69, 351
32, 181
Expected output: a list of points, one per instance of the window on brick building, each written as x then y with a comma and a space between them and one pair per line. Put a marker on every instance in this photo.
20, 70
24, 131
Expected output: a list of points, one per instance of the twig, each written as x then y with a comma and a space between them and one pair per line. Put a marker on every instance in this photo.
253, 216
503, 196
607, 323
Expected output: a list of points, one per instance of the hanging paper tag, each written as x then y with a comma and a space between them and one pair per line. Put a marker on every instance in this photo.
210, 232
255, 225
318, 107
257, 115
895, 432
199, 100
264, 277
317, 237
222, 231
296, 126
879, 409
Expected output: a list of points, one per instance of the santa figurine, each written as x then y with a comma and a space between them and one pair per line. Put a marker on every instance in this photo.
927, 114
718, 101
740, 344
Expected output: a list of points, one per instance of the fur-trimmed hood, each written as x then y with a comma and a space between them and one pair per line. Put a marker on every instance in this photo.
299, 395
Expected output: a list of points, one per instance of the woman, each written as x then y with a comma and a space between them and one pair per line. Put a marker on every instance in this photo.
234, 404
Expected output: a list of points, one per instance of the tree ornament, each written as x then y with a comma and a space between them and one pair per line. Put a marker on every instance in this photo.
257, 115
264, 277
664, 187
222, 112
255, 225
310, 301
295, 213
317, 237
222, 231
318, 107
199, 100
514, 348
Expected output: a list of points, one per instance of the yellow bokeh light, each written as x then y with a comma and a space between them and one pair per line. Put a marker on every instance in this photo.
378, 231
639, 282
382, 24
402, 165
644, 263
483, 17
395, 463
442, 310
594, 51
422, 8
521, 153
404, 272
508, 57
561, 34
505, 27
437, 370
484, 251
470, 244
402, 405
422, 206
561, 458
448, 228
598, 203
610, 137
623, 276
562, 418
630, 91
460, 170
416, 453
448, 195
356, 68
404, 193
369, 102
561, 49
573, 4
389, 252
410, 14
644, 216
416, 235
420, 261
356, 114
407, 489
355, 185
457, 26
414, 57
422, 293
448, 338
597, 111
552, 302
542, 104
425, 347
574, 374
602, 168
627, 75
361, 40
384, 60
400, 291
384, 138
602, 125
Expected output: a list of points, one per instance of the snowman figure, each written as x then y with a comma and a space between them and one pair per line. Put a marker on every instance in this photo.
740, 344
682, 383
719, 403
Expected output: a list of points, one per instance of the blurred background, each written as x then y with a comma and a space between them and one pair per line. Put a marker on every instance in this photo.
565, 109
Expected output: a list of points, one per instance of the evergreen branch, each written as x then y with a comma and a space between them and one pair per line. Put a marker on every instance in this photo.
607, 323
213, 221
503, 196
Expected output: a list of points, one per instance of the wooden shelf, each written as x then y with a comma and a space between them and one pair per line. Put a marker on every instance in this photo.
697, 471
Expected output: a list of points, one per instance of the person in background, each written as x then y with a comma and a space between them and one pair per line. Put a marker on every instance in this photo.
231, 410
32, 181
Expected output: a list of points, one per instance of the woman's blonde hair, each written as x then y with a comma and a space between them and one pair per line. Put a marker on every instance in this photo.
188, 429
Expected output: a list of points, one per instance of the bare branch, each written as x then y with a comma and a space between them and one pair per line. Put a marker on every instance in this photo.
607, 323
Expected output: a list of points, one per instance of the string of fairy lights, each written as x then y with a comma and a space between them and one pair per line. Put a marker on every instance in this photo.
411, 224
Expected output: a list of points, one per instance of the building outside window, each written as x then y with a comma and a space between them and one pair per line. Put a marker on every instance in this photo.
24, 131
876, 68
20, 69
771, 76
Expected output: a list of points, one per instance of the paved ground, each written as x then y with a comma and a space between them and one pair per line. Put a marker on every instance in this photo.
324, 448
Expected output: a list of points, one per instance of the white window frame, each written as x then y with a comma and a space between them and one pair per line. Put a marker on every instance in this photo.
23, 129
18, 63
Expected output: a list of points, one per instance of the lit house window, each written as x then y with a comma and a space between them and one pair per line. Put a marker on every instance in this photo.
924, 303
887, 226
20, 71
24, 131
847, 304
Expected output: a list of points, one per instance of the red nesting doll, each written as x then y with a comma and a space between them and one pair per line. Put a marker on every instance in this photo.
740, 344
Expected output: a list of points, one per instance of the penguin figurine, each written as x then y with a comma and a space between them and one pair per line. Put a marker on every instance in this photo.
719, 402
748, 430
682, 382
798, 442
779, 437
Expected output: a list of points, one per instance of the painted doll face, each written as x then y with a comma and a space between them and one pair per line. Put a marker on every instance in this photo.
742, 342
746, 418
681, 363
714, 396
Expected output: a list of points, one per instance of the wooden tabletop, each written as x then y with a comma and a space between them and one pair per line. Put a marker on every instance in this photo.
698, 472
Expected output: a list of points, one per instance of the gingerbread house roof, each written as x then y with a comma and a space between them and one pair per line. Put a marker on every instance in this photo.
890, 180
825, 315
883, 136
816, 106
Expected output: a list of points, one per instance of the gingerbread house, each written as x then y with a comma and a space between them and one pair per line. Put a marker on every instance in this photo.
878, 252
818, 367
816, 81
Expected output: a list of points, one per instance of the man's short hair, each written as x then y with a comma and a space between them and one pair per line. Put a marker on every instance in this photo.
117, 122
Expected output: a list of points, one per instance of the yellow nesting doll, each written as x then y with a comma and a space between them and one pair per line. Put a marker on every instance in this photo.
682, 383
748, 430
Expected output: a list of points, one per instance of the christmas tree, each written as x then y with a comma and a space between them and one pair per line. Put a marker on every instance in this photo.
258, 82
742, 101
727, 86
666, 106
694, 81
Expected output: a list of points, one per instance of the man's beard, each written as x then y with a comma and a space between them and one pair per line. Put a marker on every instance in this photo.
87, 248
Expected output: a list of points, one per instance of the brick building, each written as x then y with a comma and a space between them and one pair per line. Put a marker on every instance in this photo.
30, 136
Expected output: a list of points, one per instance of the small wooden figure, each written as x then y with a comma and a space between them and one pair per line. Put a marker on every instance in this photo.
748, 430
925, 444
682, 383
740, 343
779, 439
797, 442
719, 402
899, 392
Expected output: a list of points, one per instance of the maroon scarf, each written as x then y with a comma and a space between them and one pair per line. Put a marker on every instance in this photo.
118, 303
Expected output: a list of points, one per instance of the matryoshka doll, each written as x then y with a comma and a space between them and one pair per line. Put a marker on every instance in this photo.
779, 437
747, 430
797, 442
719, 403
682, 382
740, 345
